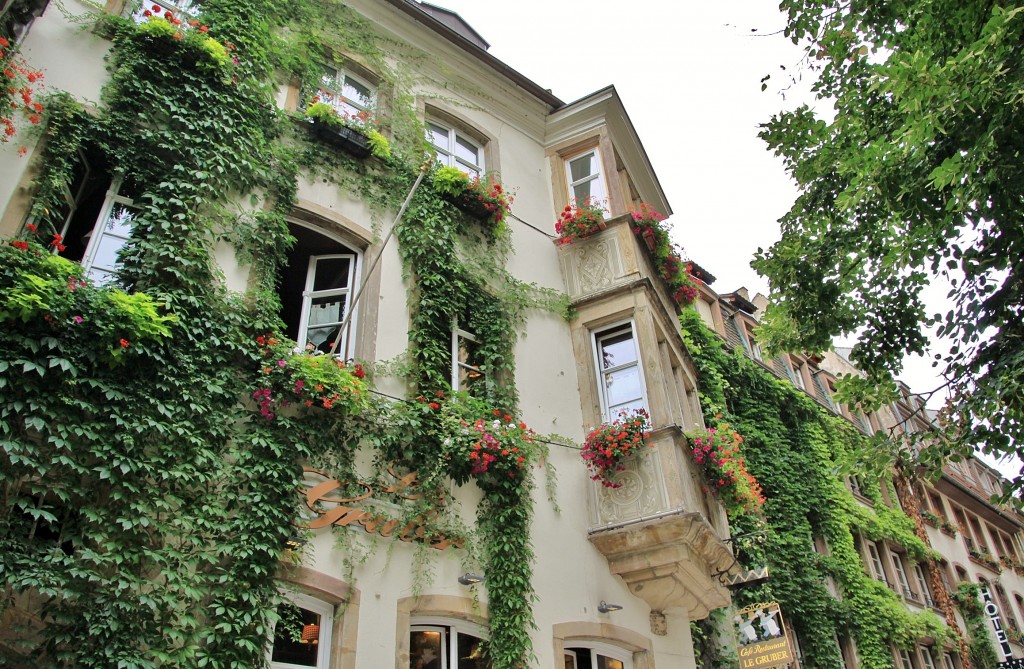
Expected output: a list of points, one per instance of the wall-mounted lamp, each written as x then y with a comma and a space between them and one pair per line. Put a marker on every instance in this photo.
470, 579
294, 543
605, 607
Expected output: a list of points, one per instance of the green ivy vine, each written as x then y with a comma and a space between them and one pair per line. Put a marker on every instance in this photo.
794, 448
147, 486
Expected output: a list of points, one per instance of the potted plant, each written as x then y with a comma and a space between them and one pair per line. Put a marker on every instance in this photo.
948, 528
482, 199
930, 518
165, 33
308, 378
356, 134
607, 447
579, 220
717, 451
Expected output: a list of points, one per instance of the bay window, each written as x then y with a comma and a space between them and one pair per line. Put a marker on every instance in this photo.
584, 176
619, 375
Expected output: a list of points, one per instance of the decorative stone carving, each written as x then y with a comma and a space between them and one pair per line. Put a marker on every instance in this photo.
659, 624
641, 492
592, 265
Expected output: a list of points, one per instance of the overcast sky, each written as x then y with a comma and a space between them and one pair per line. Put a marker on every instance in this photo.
689, 75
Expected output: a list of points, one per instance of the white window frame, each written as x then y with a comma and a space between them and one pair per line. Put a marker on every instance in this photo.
901, 573
598, 648
877, 570
604, 333
326, 612
597, 176
450, 629
308, 294
333, 94
905, 660
927, 662
922, 583
798, 375
458, 335
98, 274
947, 660
446, 155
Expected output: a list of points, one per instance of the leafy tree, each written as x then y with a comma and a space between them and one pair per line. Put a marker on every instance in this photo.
919, 175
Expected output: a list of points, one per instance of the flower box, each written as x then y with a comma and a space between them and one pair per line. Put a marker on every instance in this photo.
343, 137
478, 209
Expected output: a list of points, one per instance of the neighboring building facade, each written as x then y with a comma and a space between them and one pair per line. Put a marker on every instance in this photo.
979, 542
654, 546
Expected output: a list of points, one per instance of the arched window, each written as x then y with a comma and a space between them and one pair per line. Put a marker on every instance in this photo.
318, 282
302, 635
441, 643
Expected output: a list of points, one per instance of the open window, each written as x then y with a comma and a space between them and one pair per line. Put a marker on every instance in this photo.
466, 365
620, 378
302, 635
318, 282
447, 645
94, 220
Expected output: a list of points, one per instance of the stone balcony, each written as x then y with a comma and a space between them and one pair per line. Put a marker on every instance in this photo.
661, 534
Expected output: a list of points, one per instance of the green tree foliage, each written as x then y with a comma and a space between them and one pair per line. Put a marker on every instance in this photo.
919, 175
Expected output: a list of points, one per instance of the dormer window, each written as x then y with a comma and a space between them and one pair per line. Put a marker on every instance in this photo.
455, 148
349, 94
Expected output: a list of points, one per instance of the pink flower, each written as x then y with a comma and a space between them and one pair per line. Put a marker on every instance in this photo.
77, 319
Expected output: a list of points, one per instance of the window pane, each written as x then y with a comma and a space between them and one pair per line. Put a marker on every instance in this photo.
467, 150
617, 350
583, 166
357, 93
622, 386
296, 636
438, 135
326, 310
426, 646
471, 652
608, 663
331, 274
106, 252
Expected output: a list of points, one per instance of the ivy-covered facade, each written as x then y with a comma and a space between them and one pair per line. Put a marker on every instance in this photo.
292, 353
875, 562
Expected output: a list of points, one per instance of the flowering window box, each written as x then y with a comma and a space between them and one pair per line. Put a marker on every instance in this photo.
478, 209
349, 140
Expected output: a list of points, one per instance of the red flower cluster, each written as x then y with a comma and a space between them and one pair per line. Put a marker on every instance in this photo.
497, 452
17, 88
315, 378
579, 220
717, 452
606, 447
647, 225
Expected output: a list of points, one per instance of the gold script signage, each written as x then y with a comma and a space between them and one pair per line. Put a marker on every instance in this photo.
762, 637
332, 509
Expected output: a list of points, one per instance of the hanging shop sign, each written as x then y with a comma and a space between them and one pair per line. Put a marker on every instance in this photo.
763, 642
992, 611
329, 506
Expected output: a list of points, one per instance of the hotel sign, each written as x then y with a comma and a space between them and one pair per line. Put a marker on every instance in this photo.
330, 507
992, 611
762, 637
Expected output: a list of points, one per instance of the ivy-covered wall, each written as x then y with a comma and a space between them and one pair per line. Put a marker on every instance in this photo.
796, 451
151, 440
